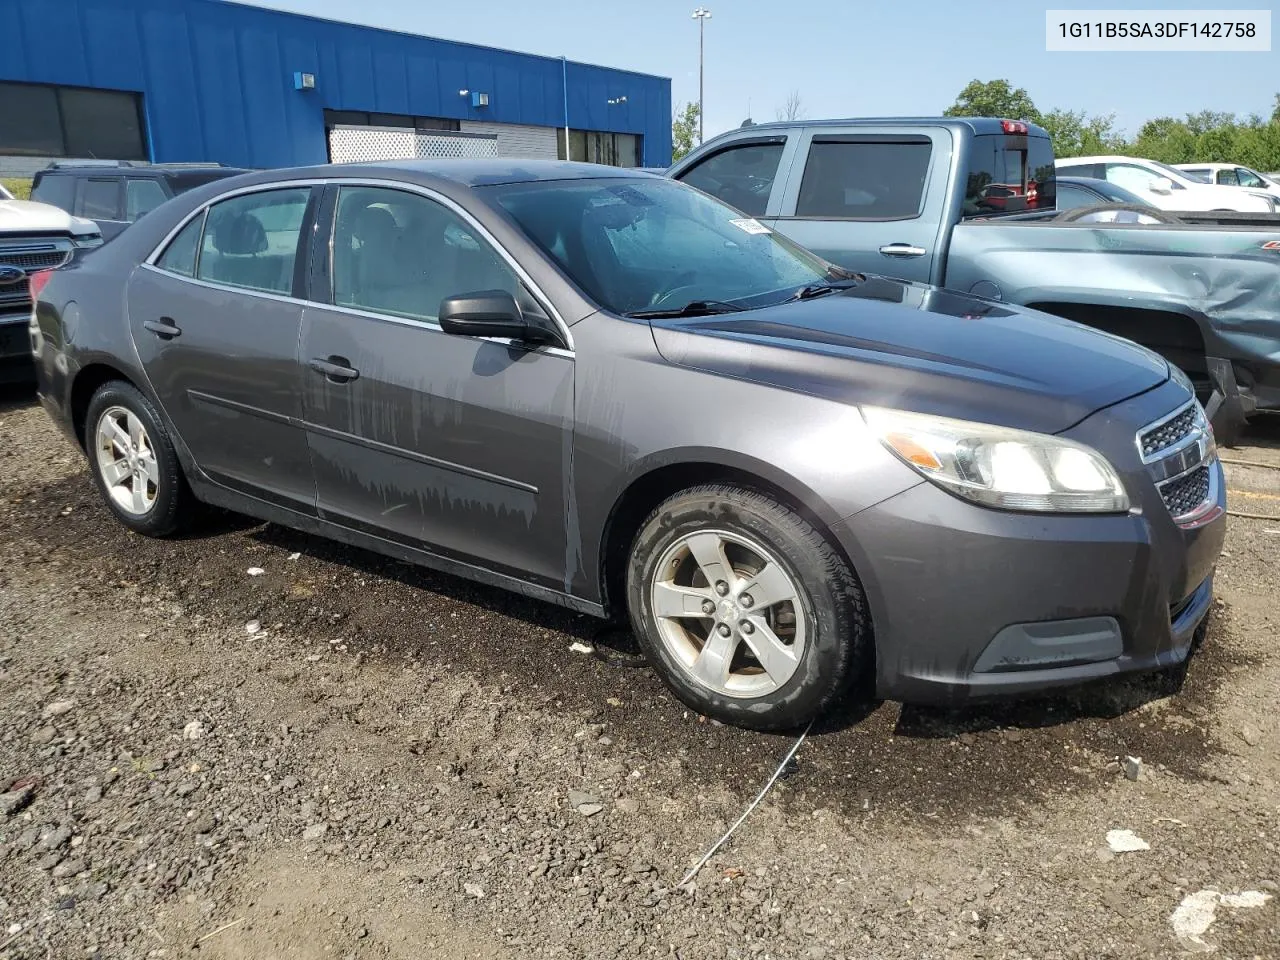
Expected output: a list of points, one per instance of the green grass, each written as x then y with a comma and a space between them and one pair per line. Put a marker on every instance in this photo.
18, 186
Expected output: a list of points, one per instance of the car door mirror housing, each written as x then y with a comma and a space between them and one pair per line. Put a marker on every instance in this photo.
488, 313
1162, 185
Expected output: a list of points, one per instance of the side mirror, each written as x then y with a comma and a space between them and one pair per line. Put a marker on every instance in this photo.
1162, 185
487, 313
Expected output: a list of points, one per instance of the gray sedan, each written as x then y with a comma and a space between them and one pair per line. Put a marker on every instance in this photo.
610, 391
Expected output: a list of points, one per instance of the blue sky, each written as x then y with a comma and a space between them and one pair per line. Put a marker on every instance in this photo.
850, 58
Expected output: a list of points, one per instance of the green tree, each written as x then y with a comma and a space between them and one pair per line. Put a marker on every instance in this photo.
684, 131
1275, 114
994, 98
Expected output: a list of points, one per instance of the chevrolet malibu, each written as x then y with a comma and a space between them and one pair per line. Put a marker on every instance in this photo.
607, 390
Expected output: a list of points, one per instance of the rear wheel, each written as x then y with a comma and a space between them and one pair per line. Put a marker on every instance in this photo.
133, 462
746, 611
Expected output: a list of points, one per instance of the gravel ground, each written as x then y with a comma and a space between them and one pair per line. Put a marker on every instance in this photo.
346, 757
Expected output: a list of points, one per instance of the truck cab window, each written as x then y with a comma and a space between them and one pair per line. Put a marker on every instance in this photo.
740, 176
864, 179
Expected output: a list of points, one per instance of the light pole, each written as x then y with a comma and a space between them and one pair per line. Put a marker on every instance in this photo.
702, 15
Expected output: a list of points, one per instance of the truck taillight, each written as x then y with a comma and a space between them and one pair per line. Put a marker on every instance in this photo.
1013, 126
38, 280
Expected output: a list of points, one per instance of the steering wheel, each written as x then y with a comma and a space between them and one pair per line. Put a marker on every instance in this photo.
681, 283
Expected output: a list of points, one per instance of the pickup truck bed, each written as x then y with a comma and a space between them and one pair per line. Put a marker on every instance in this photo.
968, 204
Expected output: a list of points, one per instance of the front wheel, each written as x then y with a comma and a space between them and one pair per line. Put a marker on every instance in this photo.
746, 611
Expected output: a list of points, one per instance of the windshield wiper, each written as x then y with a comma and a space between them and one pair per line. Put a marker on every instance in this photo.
812, 290
694, 308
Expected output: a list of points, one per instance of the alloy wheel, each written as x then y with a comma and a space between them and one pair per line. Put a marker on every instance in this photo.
729, 613
127, 461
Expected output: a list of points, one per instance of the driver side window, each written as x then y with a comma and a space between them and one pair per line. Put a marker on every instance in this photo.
740, 176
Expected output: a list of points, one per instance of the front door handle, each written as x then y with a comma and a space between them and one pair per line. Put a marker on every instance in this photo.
902, 250
336, 369
164, 328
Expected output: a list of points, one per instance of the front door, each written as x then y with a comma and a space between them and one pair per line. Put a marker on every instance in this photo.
216, 324
456, 445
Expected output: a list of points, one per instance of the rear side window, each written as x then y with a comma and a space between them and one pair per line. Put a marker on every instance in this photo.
180, 256
251, 241
741, 176
865, 178
1070, 197
1094, 171
1009, 173
56, 190
141, 197
100, 199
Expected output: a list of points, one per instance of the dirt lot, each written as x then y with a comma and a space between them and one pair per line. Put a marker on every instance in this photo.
346, 757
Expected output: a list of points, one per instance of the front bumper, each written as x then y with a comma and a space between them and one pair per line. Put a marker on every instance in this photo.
970, 603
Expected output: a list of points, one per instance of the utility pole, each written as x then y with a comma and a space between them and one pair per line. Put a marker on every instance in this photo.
702, 15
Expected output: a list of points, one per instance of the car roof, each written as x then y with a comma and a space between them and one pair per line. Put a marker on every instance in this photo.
979, 125
1207, 166
137, 170
468, 172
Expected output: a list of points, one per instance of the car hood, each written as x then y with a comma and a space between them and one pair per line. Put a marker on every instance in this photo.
914, 347
26, 216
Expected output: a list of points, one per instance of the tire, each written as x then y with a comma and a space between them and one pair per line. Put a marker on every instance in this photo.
812, 639
148, 463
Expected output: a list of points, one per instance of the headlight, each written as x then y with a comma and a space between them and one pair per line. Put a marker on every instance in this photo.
1179, 376
87, 241
1001, 467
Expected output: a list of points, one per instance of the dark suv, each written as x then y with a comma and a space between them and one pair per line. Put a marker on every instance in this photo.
115, 193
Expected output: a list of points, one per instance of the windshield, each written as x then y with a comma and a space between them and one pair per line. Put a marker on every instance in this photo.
654, 244
1173, 173
1118, 194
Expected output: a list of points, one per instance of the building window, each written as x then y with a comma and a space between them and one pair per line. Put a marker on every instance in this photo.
592, 146
39, 120
363, 118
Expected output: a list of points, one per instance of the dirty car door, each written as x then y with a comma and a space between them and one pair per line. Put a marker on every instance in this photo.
456, 445
216, 325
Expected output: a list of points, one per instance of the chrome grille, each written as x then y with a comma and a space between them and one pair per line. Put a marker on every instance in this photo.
29, 255
1186, 494
1155, 440
36, 260
1180, 455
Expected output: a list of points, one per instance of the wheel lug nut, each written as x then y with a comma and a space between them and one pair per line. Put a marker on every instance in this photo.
721, 587
708, 607
747, 627
746, 600
724, 630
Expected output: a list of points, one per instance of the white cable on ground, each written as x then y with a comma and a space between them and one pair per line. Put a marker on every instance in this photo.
746, 813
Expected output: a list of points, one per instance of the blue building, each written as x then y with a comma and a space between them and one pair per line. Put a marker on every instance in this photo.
209, 80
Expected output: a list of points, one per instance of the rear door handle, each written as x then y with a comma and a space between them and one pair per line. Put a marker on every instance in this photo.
164, 328
336, 369
902, 250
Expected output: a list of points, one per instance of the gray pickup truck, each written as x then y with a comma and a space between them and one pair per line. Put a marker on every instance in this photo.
970, 204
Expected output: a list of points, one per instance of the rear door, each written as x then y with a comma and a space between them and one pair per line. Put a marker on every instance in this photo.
216, 319
453, 444
141, 196
101, 199
869, 199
